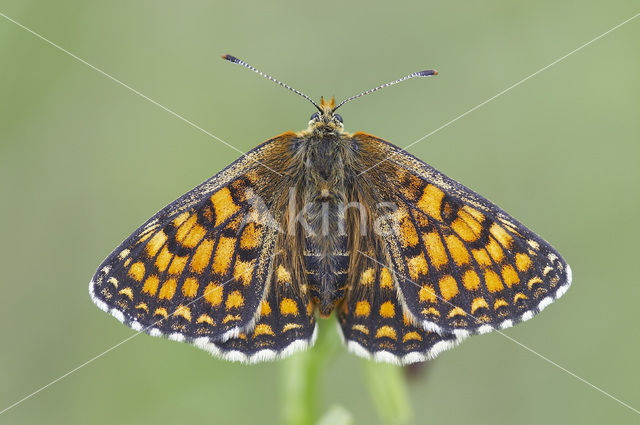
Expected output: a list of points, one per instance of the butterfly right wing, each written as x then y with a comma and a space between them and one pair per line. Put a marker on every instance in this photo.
374, 324
462, 264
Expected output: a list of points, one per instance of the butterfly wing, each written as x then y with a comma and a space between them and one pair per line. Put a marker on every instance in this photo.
462, 264
286, 324
200, 267
374, 324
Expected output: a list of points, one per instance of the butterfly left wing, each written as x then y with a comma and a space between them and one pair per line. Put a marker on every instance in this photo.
462, 265
286, 324
200, 267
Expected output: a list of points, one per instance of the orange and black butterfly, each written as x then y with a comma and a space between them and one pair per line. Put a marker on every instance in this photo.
319, 221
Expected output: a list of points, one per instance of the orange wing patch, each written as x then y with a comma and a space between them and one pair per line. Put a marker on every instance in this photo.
431, 201
224, 255
213, 294
202, 256
223, 205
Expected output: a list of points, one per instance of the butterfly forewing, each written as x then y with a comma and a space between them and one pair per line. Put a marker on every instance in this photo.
462, 264
200, 267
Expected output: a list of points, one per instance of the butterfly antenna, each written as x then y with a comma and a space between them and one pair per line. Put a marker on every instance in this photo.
233, 59
425, 73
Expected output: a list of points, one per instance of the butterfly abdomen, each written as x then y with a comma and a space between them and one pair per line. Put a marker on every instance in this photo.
326, 262
326, 256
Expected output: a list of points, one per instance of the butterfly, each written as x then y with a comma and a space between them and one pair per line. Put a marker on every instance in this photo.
323, 222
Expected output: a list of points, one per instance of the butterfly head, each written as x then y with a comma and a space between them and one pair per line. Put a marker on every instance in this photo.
326, 116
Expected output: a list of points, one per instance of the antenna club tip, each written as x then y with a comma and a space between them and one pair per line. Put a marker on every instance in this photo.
230, 58
428, 73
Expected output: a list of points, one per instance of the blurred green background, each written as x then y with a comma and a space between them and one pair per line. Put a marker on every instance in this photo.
84, 161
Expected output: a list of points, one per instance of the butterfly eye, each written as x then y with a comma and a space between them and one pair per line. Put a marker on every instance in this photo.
314, 116
338, 117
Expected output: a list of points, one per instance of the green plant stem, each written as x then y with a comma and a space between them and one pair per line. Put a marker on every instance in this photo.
387, 385
301, 375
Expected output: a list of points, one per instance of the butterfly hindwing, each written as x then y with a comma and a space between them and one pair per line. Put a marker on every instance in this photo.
462, 264
374, 323
286, 324
199, 268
